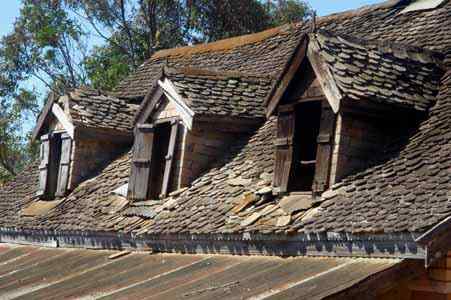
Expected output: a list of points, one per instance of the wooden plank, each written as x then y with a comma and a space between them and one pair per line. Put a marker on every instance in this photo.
64, 167
281, 86
169, 158
43, 116
324, 151
324, 76
139, 186
63, 119
284, 149
43, 167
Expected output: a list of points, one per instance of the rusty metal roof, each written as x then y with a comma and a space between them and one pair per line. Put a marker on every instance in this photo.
28, 272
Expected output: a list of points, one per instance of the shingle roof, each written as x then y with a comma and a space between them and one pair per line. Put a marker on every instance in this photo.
407, 191
91, 108
267, 52
382, 72
224, 94
384, 22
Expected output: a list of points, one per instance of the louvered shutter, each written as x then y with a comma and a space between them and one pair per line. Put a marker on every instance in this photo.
44, 157
138, 186
284, 147
324, 151
169, 158
64, 167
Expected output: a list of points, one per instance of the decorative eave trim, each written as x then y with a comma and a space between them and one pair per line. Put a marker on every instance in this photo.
324, 75
330, 244
43, 116
287, 75
63, 119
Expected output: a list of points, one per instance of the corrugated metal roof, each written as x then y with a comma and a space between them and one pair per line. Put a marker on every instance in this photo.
28, 272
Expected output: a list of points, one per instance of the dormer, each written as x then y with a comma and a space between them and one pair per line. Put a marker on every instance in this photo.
186, 122
79, 133
341, 102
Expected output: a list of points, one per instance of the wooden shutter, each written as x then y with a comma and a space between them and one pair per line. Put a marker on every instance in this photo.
324, 151
44, 166
138, 186
284, 147
64, 167
169, 158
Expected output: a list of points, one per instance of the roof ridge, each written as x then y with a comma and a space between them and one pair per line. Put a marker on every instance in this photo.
223, 44
398, 49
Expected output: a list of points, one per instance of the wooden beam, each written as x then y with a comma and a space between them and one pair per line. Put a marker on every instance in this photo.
43, 116
281, 86
171, 93
149, 105
63, 119
324, 75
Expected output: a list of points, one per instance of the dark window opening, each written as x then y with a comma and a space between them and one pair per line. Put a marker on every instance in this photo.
307, 125
54, 162
159, 152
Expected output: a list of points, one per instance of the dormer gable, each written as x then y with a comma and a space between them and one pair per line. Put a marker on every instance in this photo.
339, 99
79, 133
186, 122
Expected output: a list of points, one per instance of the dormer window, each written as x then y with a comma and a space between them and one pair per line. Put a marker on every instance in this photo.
79, 133
304, 146
339, 100
186, 123
152, 161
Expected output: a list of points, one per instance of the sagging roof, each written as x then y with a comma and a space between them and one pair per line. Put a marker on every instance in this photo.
404, 192
380, 71
44, 273
268, 52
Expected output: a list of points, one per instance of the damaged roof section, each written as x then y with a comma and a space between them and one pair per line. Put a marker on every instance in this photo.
43, 273
379, 71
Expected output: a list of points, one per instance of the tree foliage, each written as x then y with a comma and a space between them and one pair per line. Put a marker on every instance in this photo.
52, 43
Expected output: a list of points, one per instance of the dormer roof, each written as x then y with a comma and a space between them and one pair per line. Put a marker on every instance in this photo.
212, 93
92, 108
380, 71
87, 108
